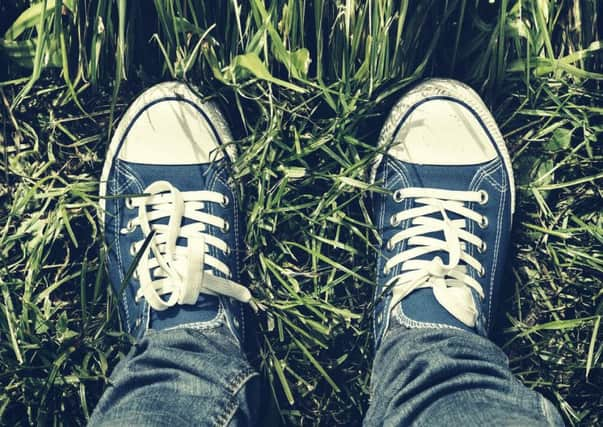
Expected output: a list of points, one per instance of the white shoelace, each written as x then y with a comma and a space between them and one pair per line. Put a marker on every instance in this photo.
450, 282
180, 271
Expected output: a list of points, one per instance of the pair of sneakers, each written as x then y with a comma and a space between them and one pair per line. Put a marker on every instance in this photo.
174, 230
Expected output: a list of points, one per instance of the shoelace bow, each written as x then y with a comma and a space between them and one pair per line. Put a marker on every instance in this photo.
180, 271
450, 282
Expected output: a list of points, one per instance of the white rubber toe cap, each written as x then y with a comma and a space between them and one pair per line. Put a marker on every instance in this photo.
442, 132
448, 124
168, 126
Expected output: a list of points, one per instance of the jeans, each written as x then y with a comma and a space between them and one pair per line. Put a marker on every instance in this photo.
422, 377
181, 377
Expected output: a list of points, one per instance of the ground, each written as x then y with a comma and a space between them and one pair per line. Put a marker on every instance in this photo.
306, 85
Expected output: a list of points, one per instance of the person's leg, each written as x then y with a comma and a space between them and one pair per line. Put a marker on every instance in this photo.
173, 232
445, 223
180, 377
447, 377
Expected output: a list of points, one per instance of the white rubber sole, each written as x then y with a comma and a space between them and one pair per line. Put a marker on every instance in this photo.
435, 88
151, 95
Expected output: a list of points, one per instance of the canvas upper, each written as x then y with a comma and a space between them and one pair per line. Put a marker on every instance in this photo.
445, 219
166, 184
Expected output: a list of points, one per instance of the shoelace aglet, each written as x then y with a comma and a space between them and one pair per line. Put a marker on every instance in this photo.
256, 306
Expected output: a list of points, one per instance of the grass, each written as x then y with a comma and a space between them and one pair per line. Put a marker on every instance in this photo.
306, 85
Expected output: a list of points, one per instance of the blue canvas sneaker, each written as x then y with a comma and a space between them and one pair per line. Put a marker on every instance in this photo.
166, 200
445, 219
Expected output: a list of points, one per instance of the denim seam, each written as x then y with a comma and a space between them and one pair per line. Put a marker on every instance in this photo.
544, 407
230, 408
234, 386
202, 326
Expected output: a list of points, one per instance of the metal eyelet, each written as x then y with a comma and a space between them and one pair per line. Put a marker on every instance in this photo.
393, 221
129, 203
389, 246
227, 250
129, 228
135, 275
133, 249
483, 197
386, 271
481, 272
482, 248
138, 321
225, 201
483, 223
397, 196
225, 227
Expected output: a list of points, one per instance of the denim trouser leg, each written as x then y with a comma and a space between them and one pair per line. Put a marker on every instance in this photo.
181, 377
448, 377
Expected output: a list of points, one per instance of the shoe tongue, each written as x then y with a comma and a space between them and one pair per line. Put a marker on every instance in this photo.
441, 177
184, 178
421, 305
205, 310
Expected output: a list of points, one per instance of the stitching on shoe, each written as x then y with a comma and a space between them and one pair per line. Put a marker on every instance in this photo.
385, 321
499, 221
236, 252
379, 329
130, 175
500, 187
216, 177
483, 175
402, 175
119, 260
132, 178
475, 184
135, 179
